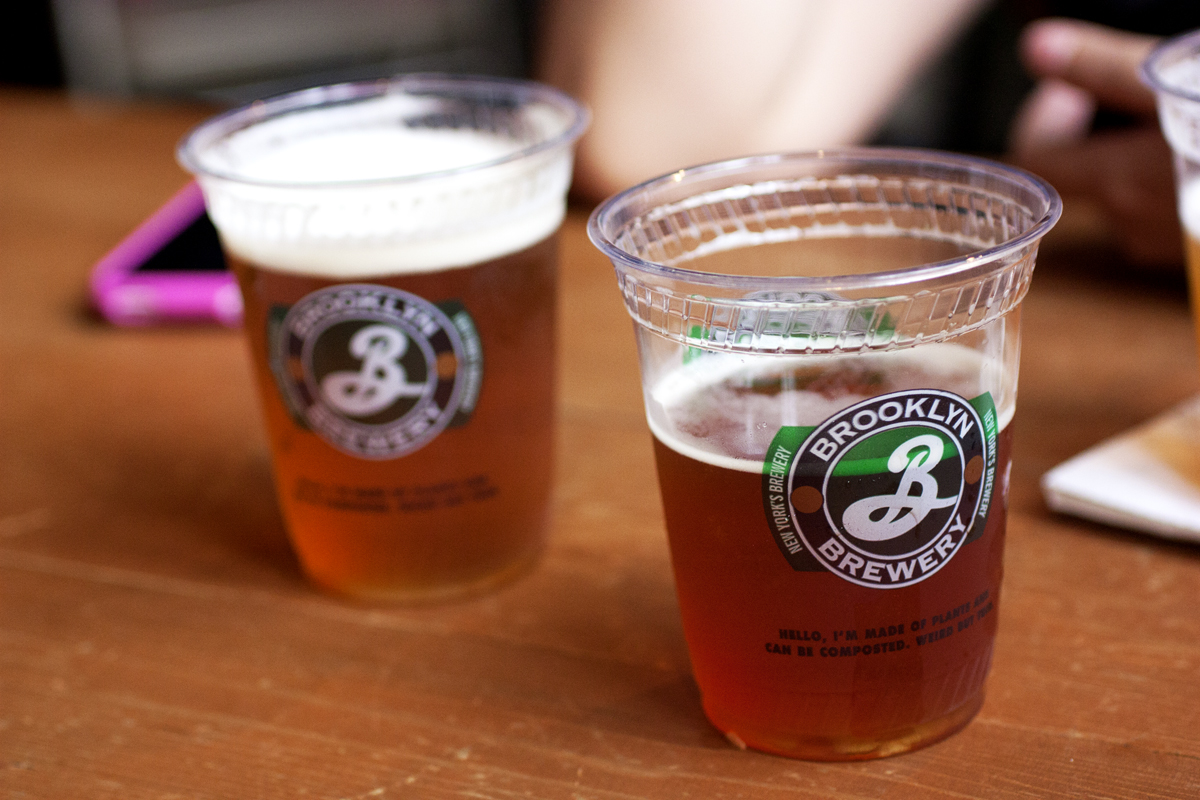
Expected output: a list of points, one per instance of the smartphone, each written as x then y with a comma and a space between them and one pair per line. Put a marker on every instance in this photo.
170, 269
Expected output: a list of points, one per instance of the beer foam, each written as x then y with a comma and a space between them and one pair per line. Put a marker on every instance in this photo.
373, 154
1189, 208
1182, 76
353, 191
1178, 85
707, 410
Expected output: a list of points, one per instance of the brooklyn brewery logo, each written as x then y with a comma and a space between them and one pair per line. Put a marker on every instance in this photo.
885, 492
375, 371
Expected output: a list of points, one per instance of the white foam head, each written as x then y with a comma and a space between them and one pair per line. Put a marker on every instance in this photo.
417, 175
1174, 72
698, 409
1183, 75
1189, 208
1176, 79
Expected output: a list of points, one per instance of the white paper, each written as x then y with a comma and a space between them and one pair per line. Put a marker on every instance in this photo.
1147, 479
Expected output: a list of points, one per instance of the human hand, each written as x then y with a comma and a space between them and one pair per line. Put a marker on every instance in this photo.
1126, 171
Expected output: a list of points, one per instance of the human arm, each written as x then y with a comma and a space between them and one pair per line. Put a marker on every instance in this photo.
673, 83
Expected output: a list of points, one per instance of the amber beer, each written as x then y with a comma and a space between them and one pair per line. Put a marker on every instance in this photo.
468, 509
395, 245
791, 657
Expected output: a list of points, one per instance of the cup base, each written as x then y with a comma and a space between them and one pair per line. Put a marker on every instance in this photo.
855, 748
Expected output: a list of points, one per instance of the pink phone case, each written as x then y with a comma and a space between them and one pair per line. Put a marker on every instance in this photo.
125, 296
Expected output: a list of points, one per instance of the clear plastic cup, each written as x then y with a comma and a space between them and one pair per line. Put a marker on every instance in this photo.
1173, 71
395, 244
829, 346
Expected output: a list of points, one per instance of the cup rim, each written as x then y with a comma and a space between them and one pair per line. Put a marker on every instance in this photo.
865, 157
1150, 70
222, 125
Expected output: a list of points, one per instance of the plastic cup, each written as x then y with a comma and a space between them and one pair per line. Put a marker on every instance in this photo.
1173, 71
395, 245
829, 346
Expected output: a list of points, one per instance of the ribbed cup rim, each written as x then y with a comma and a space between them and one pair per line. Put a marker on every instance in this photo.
930, 165
1171, 50
196, 141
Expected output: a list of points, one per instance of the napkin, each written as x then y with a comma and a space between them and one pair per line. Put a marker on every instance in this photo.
1147, 479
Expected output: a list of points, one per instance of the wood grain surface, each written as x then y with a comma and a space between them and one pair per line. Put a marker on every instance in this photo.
158, 641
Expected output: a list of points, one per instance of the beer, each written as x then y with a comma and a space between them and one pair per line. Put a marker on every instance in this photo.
395, 245
802, 662
471, 507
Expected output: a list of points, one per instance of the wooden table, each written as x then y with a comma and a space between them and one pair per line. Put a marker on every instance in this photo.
158, 641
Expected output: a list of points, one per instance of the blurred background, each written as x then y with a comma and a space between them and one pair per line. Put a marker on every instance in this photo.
233, 51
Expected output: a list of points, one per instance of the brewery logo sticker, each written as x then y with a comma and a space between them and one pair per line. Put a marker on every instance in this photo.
375, 371
885, 492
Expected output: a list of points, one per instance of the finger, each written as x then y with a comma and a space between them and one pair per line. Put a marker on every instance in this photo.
1055, 113
1100, 60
